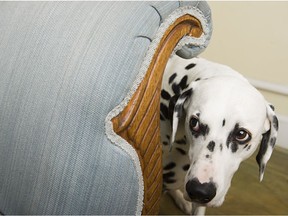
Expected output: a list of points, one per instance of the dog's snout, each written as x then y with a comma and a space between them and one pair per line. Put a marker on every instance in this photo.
200, 193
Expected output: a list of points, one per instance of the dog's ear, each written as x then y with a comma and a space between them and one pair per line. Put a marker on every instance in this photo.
268, 140
178, 112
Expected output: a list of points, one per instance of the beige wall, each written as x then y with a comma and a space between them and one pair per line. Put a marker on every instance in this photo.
252, 37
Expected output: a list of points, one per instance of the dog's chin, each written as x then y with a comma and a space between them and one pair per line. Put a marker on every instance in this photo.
212, 203
215, 203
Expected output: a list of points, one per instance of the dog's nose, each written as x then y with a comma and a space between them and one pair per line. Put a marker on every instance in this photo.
200, 193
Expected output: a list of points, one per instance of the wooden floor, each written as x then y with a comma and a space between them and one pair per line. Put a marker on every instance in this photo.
247, 196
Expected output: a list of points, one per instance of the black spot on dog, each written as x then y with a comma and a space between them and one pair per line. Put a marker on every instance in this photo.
197, 79
171, 106
231, 140
204, 130
181, 151
164, 110
176, 89
186, 167
169, 166
168, 137
192, 65
179, 107
181, 142
221, 147
272, 107
263, 147
186, 94
172, 77
165, 143
223, 122
169, 181
165, 95
162, 118
234, 147
167, 177
272, 142
179, 110
183, 83
249, 147
211, 146
275, 123
207, 156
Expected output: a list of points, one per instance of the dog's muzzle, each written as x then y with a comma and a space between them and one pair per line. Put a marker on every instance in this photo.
200, 193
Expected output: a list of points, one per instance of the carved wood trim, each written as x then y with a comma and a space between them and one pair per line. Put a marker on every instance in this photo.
139, 122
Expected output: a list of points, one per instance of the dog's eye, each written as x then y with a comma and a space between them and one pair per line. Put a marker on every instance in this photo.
194, 124
243, 136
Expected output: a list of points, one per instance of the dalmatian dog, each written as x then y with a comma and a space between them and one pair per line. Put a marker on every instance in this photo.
211, 120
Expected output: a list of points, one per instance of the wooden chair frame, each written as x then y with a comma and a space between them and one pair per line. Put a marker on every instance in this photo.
139, 122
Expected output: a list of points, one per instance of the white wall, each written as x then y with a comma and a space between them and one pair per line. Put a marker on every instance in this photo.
252, 37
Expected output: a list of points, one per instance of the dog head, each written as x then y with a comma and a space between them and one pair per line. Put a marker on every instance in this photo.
225, 121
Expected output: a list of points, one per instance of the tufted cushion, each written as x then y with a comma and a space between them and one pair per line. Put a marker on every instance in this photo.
64, 66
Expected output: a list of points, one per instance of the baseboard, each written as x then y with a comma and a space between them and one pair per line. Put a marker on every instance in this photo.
269, 86
282, 140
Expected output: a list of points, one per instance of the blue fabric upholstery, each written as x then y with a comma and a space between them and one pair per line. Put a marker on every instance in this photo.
63, 67
191, 50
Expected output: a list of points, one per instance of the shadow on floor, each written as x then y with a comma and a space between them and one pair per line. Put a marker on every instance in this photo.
247, 196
